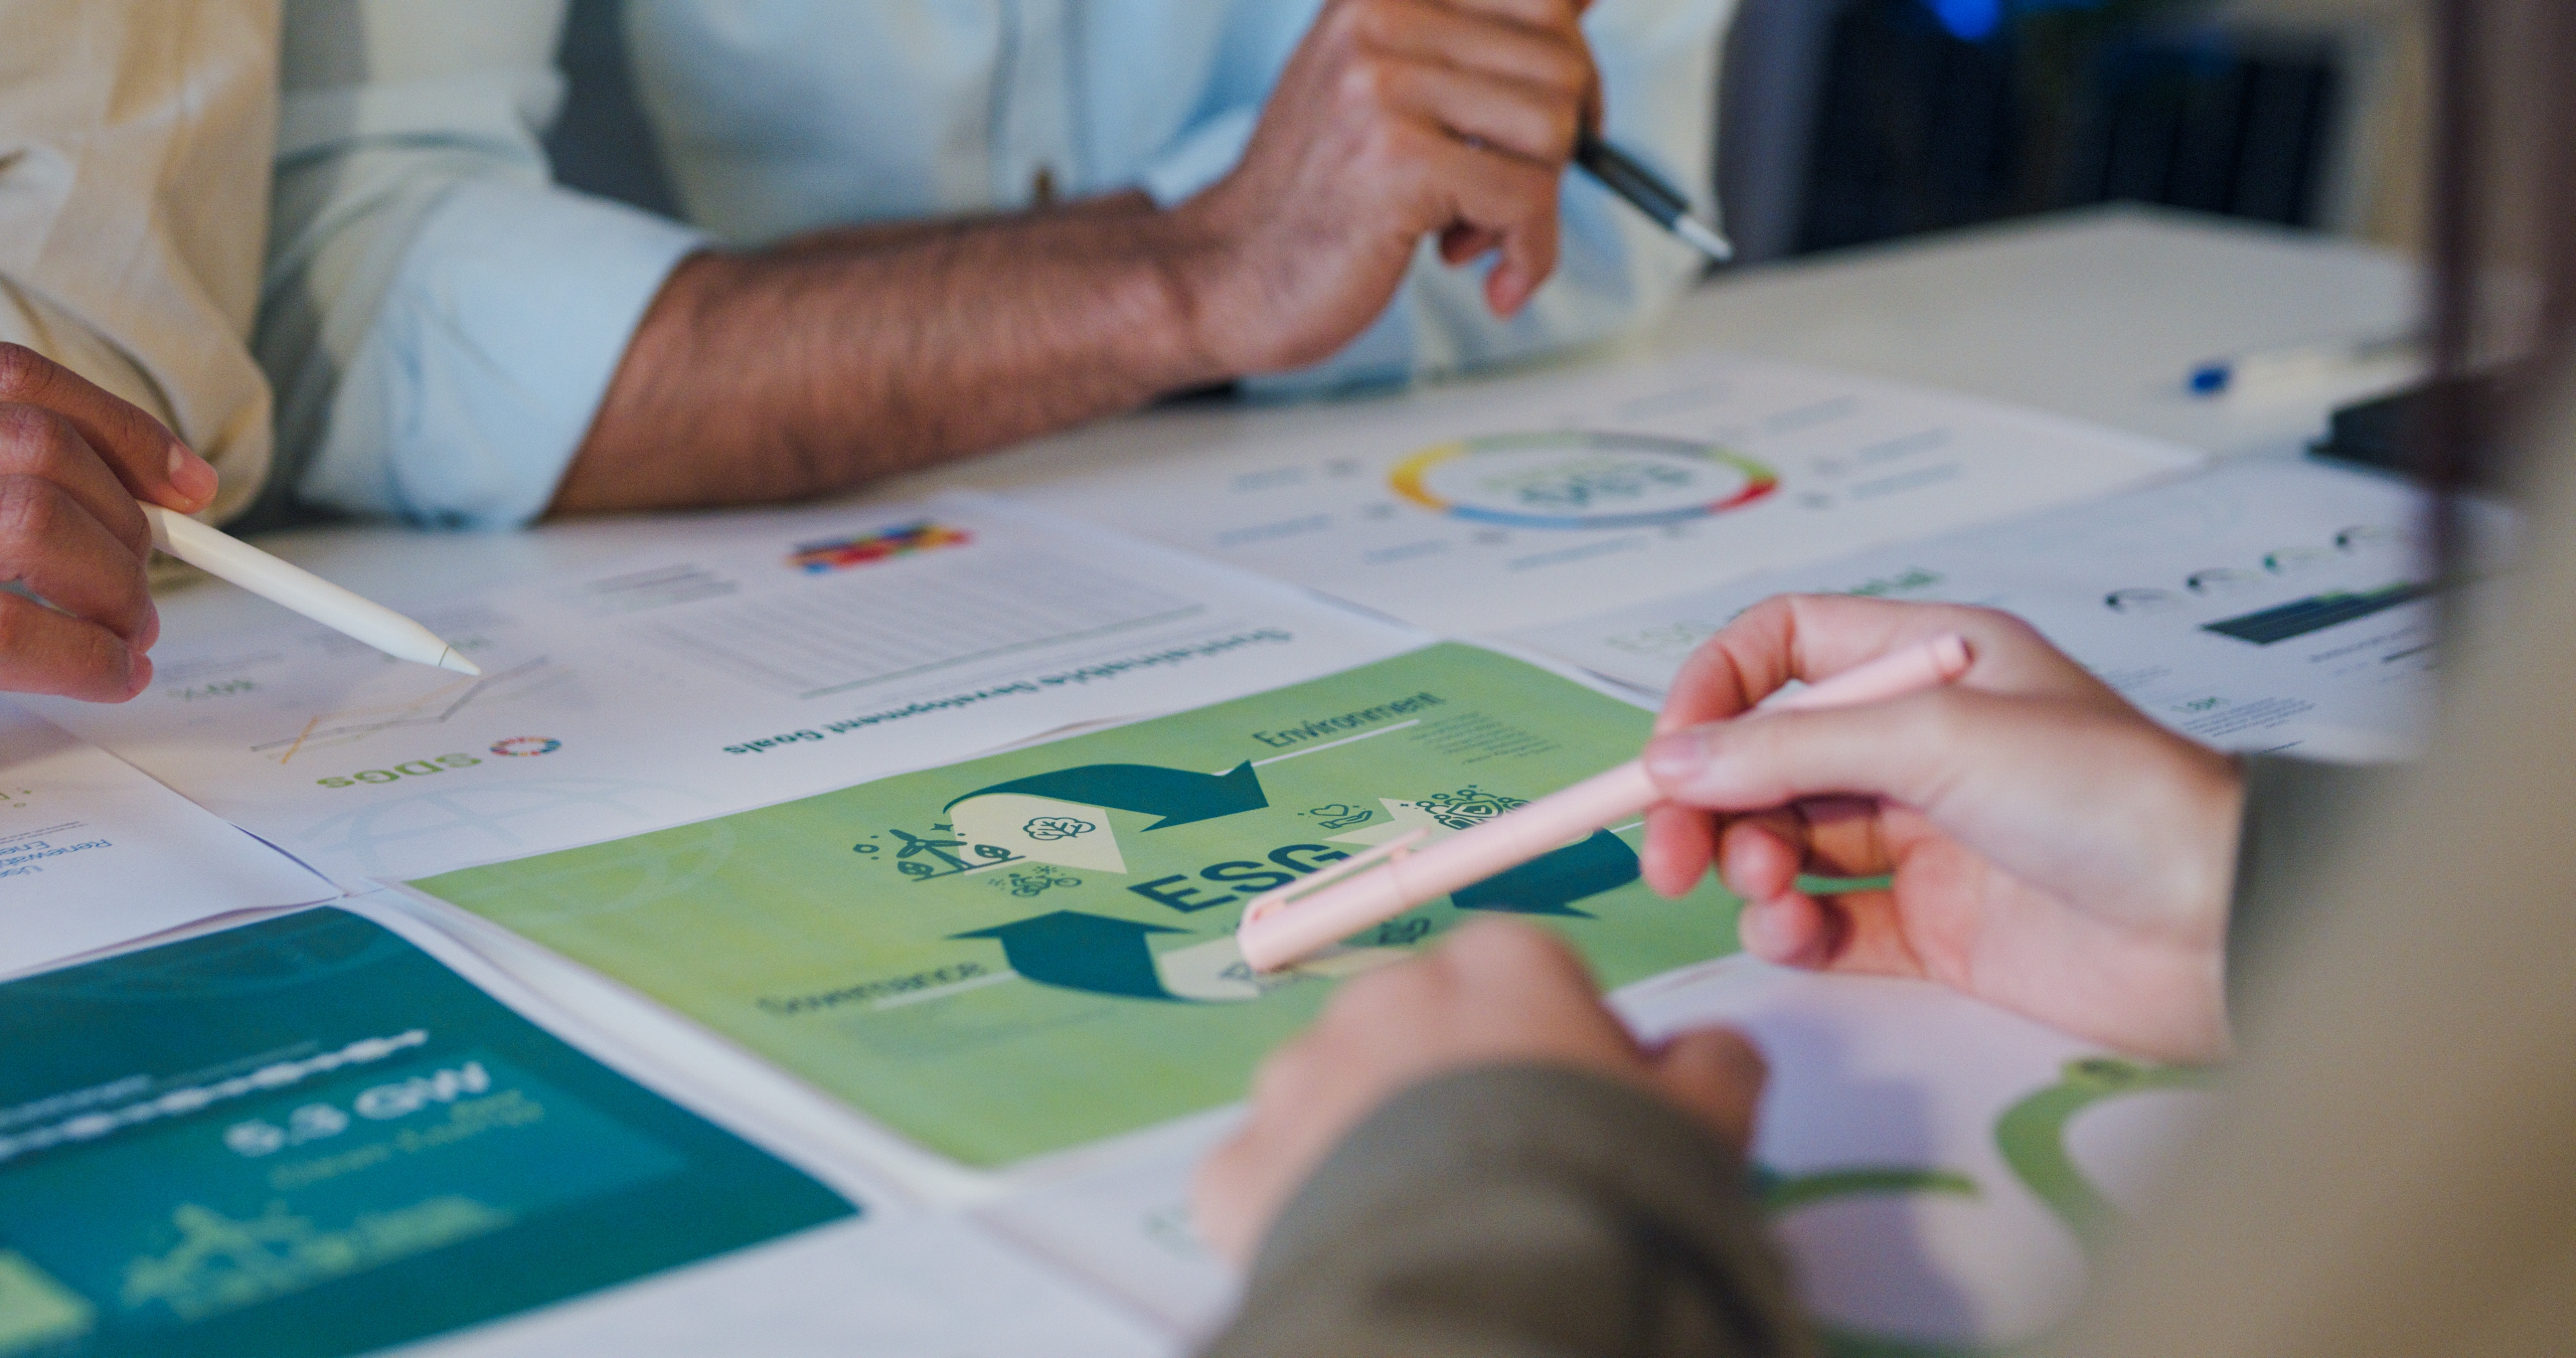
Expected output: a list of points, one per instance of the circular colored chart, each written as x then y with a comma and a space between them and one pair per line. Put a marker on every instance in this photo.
1578, 479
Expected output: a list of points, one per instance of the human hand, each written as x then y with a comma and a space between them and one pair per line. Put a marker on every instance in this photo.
1395, 118
74, 461
2053, 850
1495, 992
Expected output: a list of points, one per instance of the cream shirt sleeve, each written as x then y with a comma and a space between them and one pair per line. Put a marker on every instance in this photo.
135, 144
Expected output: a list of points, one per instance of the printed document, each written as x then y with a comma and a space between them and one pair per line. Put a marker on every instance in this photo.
1062, 1008
1024, 954
2259, 606
334, 1131
890, 1278
695, 667
1941, 1173
93, 854
1482, 508
304, 1137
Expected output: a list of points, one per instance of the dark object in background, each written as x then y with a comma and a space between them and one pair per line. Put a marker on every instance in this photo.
1913, 130
2386, 433
601, 143
2234, 126
1919, 128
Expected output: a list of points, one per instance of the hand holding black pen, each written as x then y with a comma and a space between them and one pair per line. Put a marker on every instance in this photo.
1649, 193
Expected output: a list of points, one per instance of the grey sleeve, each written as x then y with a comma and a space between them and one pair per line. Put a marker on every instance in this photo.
2296, 810
1519, 1211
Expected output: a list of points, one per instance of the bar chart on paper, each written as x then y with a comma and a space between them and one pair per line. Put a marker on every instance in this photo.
2258, 606
686, 674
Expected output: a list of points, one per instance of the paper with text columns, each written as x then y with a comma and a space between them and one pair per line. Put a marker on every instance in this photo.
94, 854
697, 666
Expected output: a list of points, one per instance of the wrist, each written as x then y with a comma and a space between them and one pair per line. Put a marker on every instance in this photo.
1193, 249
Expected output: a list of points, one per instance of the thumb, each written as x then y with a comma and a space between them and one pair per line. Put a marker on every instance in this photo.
1716, 1076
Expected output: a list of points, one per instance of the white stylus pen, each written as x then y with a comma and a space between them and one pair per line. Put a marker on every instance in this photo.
221, 554
1298, 920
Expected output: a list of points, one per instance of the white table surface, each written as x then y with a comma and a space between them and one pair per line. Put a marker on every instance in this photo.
2097, 315
2094, 314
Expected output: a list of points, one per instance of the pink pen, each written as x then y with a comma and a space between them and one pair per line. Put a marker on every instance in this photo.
1303, 918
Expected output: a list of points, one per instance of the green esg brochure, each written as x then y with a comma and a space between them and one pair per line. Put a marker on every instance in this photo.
1030, 951
306, 1137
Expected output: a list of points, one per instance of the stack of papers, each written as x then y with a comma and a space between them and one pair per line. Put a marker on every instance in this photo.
819, 922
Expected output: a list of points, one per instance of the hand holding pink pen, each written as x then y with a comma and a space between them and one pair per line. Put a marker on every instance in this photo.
1296, 921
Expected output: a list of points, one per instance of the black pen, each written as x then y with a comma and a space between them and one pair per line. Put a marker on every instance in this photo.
1647, 192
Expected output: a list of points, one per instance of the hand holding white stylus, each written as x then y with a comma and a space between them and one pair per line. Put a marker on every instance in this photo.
1298, 920
220, 554
2047, 846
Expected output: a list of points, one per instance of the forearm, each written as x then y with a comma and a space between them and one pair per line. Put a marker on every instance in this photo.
839, 358
1520, 1210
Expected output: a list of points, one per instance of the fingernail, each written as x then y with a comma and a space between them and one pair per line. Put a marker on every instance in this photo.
1675, 760
191, 475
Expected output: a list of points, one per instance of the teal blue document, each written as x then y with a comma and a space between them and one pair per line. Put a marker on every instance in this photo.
307, 1137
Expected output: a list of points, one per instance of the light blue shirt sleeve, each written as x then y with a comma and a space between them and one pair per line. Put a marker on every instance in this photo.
440, 322
1616, 270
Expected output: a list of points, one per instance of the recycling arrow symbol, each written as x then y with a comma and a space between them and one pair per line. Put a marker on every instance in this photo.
1551, 883
1179, 796
1082, 952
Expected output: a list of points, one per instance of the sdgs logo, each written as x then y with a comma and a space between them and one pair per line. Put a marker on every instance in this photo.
516, 747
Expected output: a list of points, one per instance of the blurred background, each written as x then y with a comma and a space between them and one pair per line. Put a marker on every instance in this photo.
1848, 122
1845, 122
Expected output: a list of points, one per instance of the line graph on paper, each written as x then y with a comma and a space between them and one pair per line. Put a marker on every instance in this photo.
351, 725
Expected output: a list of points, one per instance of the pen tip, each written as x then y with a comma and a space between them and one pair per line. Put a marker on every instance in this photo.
449, 660
1700, 234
